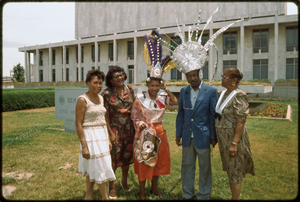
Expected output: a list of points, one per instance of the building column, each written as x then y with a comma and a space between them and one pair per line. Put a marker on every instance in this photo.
79, 62
50, 64
115, 51
64, 63
26, 67
36, 66
96, 54
242, 51
29, 69
276, 49
135, 59
211, 58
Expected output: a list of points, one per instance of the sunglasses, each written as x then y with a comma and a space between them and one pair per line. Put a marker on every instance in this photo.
117, 75
224, 77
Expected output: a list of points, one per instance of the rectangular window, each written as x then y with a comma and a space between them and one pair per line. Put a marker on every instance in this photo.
99, 68
98, 52
93, 68
41, 75
67, 74
230, 43
53, 57
130, 74
67, 55
110, 52
204, 40
82, 73
62, 55
260, 69
292, 38
82, 56
77, 54
175, 73
41, 58
260, 40
93, 53
229, 63
53, 75
77, 74
62, 74
292, 68
130, 50
205, 71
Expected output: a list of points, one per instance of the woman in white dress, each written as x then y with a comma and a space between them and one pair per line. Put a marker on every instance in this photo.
95, 146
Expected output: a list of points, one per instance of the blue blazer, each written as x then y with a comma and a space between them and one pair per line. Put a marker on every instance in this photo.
200, 120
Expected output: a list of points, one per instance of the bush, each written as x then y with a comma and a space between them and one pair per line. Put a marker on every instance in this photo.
253, 80
266, 80
27, 99
293, 80
281, 80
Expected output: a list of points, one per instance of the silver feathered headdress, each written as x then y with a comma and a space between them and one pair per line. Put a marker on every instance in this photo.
191, 55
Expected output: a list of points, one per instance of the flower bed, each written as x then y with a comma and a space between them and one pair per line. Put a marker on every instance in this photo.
274, 110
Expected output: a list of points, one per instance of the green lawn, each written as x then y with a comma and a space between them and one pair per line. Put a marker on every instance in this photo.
28, 145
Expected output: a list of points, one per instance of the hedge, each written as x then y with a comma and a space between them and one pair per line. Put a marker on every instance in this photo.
27, 99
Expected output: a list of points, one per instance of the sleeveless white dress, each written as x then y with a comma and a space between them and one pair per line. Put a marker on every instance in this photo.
98, 167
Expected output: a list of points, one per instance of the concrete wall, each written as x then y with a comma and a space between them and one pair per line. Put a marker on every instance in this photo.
108, 18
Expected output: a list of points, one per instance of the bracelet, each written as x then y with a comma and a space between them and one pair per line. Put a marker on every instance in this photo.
234, 143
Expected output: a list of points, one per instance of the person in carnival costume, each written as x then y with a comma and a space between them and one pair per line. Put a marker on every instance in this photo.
151, 147
231, 130
195, 122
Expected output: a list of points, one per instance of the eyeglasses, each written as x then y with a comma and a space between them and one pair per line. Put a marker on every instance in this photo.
224, 77
117, 75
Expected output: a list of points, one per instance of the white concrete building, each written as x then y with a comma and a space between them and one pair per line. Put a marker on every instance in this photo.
263, 46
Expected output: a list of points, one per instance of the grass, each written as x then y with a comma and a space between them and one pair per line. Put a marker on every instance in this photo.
29, 146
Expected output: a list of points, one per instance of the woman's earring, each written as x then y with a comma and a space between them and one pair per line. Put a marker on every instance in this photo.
233, 84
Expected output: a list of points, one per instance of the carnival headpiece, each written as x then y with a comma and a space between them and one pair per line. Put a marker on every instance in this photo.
191, 55
153, 56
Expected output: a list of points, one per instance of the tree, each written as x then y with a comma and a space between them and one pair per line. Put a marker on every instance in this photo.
18, 73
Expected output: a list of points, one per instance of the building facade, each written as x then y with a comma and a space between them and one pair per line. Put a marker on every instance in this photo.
263, 46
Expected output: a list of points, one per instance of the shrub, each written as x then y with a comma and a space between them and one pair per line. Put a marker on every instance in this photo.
293, 80
173, 80
281, 80
27, 99
253, 80
266, 80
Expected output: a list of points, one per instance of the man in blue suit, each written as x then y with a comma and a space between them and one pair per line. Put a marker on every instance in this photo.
195, 125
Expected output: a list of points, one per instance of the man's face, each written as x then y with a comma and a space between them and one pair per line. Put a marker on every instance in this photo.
193, 78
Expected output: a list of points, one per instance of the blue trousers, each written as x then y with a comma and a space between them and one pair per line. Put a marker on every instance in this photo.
188, 168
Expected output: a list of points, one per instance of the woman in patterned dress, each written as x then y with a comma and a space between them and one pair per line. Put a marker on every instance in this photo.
118, 100
231, 130
148, 111
94, 157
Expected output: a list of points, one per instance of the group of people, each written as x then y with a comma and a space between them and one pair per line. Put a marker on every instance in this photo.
110, 128
119, 128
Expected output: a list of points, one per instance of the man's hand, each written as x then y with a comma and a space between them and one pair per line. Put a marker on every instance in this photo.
178, 141
213, 142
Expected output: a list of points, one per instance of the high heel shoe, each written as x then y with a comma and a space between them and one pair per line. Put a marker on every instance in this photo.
128, 190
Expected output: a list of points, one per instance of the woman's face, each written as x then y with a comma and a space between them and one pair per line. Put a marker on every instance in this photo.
154, 87
95, 85
226, 80
118, 79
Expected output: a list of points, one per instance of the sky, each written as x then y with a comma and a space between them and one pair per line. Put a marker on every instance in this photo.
28, 24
